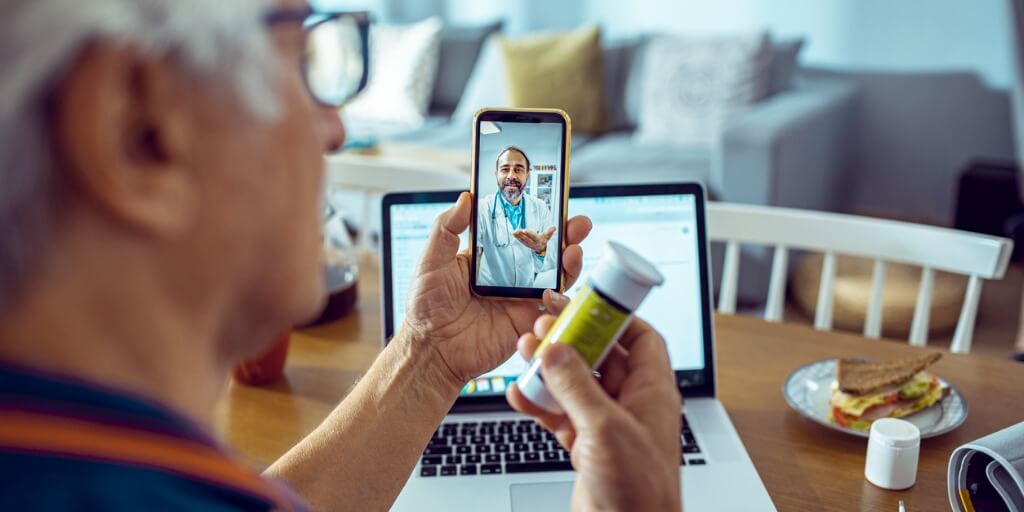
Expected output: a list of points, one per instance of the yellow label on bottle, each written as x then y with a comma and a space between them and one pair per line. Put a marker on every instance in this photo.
589, 323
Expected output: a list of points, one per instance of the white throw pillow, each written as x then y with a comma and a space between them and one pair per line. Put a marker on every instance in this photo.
693, 86
403, 68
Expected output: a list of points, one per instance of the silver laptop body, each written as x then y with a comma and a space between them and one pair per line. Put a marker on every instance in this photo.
480, 457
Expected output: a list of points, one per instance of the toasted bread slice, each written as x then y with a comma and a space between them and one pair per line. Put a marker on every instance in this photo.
861, 377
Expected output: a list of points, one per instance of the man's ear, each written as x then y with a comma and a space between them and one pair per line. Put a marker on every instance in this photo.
122, 133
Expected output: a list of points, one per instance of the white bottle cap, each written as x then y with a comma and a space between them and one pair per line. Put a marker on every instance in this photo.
625, 276
895, 432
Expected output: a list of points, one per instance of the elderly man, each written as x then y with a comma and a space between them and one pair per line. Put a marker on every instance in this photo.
159, 190
516, 229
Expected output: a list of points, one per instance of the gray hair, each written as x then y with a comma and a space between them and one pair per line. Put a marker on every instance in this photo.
40, 39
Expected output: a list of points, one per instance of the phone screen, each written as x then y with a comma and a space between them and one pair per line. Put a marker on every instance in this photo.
519, 184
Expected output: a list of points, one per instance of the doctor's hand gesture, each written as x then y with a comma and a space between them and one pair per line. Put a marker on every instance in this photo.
534, 240
472, 335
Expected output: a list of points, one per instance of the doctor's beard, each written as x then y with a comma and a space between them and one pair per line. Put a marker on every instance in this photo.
511, 189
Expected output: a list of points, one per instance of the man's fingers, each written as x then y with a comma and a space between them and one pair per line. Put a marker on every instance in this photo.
577, 229
648, 351
542, 325
637, 327
547, 233
572, 384
572, 256
652, 387
572, 264
455, 220
614, 371
527, 345
554, 302
443, 243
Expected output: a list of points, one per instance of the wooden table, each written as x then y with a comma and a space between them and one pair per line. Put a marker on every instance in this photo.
804, 466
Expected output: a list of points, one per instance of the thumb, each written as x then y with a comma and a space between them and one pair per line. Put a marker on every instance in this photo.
456, 219
550, 231
443, 244
572, 384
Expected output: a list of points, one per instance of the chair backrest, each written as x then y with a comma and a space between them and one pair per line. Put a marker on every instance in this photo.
931, 248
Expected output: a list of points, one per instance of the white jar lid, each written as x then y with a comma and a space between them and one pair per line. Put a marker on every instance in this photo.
625, 276
895, 432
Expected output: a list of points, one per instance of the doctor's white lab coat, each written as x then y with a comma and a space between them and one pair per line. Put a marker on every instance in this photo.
505, 261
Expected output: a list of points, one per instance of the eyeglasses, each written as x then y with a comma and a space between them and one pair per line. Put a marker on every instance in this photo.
335, 63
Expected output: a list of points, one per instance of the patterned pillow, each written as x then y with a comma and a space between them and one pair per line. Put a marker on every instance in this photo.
403, 68
693, 86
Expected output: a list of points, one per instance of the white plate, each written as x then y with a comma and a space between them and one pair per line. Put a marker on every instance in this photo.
809, 388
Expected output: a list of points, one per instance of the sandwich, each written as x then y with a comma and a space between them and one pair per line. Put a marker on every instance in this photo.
867, 391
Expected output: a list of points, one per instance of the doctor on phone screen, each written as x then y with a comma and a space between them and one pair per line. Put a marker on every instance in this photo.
517, 242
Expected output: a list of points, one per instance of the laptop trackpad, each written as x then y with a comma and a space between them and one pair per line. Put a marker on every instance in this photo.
541, 497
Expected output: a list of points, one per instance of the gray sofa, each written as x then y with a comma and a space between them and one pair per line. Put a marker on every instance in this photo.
791, 149
787, 150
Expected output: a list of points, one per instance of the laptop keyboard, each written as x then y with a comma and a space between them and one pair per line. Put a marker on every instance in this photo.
510, 446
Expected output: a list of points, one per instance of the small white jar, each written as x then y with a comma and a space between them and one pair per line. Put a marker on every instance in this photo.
893, 449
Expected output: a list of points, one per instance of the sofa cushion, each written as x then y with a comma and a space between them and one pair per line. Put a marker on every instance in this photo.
486, 86
785, 59
614, 158
622, 61
694, 85
403, 68
623, 69
559, 70
460, 48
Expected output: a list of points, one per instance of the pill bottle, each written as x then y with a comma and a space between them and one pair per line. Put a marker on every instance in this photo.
596, 316
893, 449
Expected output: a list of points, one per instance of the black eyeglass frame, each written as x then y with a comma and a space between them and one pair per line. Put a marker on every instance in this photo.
310, 18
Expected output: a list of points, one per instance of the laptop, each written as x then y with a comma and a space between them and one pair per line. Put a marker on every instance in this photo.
486, 456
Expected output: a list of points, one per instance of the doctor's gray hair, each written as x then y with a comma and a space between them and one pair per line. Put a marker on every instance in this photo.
506, 150
221, 40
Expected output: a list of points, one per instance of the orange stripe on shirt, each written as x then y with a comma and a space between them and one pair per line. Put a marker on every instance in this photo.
61, 435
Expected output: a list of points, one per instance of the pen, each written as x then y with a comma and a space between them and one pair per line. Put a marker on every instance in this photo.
902, 508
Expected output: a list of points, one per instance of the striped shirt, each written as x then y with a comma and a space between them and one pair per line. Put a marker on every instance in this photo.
70, 445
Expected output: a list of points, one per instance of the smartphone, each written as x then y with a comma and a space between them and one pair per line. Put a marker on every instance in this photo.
520, 185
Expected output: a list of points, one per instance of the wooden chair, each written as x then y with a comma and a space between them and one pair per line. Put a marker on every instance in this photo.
932, 248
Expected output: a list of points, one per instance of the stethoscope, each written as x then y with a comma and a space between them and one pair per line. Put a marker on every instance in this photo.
508, 231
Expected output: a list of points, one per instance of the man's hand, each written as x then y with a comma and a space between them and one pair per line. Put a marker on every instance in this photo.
622, 430
536, 241
472, 335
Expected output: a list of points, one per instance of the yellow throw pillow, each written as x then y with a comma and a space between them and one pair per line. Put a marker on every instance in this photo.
559, 70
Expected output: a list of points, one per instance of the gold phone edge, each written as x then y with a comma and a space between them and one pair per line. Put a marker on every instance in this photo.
474, 172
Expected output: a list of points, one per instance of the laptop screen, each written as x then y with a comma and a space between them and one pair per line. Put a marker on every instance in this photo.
662, 227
